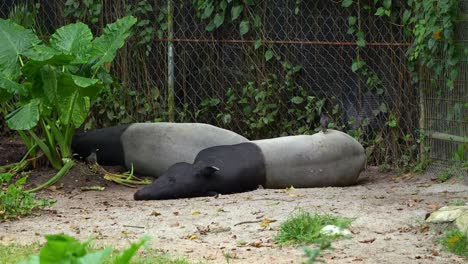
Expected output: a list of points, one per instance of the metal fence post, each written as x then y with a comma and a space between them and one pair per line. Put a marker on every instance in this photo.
170, 61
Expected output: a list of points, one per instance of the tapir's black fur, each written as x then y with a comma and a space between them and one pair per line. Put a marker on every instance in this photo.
104, 142
216, 170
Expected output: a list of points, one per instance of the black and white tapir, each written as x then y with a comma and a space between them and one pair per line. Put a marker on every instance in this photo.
151, 148
323, 159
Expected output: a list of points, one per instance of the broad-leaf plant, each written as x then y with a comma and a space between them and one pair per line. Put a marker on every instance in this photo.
55, 81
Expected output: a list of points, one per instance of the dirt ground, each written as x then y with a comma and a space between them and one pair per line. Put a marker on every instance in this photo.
389, 212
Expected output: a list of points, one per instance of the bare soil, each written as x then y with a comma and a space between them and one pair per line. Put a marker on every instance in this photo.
389, 212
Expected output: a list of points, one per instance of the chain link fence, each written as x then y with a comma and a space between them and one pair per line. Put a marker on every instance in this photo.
445, 110
274, 80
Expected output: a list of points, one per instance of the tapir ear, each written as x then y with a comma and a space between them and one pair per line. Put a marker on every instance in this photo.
207, 171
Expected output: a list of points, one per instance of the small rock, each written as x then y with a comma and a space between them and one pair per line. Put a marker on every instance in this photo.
447, 214
462, 222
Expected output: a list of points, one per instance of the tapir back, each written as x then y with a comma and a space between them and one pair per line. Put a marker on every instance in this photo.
323, 159
153, 147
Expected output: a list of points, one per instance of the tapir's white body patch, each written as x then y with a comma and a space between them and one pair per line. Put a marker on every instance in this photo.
153, 147
323, 159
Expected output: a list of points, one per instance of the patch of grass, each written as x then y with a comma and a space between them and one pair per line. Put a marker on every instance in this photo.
385, 167
159, 258
457, 203
15, 201
445, 175
12, 254
455, 241
304, 228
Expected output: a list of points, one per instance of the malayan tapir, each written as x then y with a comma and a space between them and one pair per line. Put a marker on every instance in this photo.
151, 148
323, 159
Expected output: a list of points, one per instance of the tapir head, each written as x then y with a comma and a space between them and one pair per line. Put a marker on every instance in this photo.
181, 180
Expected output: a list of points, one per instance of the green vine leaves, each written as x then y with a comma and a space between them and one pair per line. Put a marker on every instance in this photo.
87, 11
434, 46
242, 12
359, 65
218, 12
431, 26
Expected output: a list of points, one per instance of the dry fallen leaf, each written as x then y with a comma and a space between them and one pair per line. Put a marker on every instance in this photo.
155, 213
296, 195
370, 240
404, 229
413, 202
266, 222
196, 213
256, 244
192, 237
52, 188
423, 228
203, 230
432, 207
290, 188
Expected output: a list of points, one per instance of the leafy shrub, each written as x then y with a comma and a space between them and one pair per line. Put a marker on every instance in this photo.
56, 82
260, 106
15, 201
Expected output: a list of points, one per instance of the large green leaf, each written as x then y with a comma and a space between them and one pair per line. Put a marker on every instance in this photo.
25, 117
80, 110
33, 67
49, 82
126, 255
10, 86
15, 40
96, 257
105, 47
83, 81
66, 97
88, 87
41, 53
73, 102
62, 249
74, 39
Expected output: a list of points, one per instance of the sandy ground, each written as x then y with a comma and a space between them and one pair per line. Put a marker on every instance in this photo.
389, 212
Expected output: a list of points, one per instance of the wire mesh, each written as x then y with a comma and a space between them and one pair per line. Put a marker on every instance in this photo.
223, 79
446, 110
